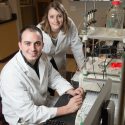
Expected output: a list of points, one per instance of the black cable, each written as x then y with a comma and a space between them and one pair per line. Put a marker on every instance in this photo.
93, 68
99, 86
104, 71
105, 66
93, 59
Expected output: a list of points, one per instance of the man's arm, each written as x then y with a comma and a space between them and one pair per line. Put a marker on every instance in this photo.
73, 105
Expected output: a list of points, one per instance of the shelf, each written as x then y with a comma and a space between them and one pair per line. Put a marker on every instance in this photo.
103, 33
41, 6
30, 5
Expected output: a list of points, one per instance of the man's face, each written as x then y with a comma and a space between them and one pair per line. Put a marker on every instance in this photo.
31, 45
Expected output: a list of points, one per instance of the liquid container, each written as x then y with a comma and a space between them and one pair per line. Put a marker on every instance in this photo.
115, 16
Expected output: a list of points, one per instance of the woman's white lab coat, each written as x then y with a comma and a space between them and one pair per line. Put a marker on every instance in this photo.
64, 42
24, 94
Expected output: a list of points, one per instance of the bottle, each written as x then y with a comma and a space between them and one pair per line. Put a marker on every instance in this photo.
115, 20
115, 16
123, 3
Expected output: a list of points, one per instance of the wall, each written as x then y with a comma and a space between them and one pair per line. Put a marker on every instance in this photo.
25, 13
13, 4
75, 10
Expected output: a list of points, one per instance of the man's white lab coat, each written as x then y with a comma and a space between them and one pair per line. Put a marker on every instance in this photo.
24, 94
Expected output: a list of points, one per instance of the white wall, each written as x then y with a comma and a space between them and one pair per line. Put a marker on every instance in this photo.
76, 11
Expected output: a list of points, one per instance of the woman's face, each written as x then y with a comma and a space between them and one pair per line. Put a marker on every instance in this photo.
55, 19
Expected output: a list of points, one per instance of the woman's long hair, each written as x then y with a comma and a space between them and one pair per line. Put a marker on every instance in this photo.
60, 8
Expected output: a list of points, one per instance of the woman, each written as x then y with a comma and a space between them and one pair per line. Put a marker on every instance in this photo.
60, 34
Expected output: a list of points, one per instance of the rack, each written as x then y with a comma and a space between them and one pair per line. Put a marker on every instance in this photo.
103, 33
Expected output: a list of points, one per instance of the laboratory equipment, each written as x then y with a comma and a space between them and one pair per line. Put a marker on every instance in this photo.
121, 104
115, 16
93, 116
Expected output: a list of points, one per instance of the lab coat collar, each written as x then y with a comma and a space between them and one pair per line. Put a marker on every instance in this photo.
30, 71
60, 38
50, 46
41, 68
59, 46
35, 66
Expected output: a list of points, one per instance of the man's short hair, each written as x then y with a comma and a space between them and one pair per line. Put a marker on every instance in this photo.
31, 28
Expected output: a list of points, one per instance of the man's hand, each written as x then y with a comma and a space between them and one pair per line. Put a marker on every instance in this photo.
73, 105
78, 91
75, 102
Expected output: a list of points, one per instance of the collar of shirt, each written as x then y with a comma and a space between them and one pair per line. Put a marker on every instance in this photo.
35, 66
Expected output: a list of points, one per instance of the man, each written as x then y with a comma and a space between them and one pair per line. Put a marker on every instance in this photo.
25, 80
